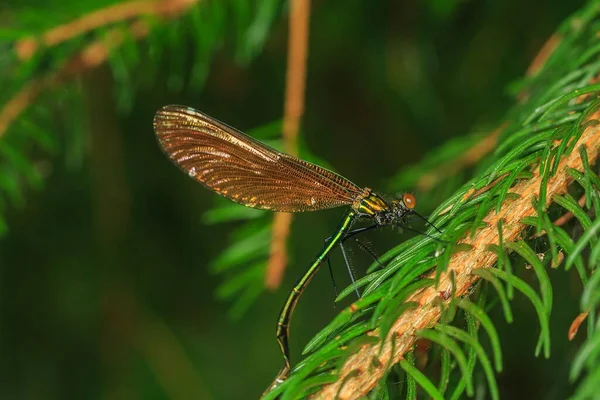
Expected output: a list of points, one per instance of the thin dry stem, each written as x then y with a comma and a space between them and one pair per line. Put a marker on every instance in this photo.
461, 264
576, 324
488, 143
542, 56
293, 110
278, 252
569, 215
471, 157
19, 102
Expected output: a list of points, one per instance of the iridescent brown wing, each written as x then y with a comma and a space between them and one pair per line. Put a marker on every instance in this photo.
243, 169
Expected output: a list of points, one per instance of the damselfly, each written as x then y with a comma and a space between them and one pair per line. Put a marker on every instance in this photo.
251, 173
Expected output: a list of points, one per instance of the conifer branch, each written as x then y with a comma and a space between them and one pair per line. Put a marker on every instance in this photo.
91, 56
127, 11
362, 371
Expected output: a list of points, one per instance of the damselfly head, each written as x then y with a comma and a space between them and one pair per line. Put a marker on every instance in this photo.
404, 204
399, 208
403, 207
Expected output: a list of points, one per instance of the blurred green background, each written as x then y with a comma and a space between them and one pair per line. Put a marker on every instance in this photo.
105, 291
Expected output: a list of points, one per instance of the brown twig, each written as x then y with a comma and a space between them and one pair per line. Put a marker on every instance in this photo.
563, 219
542, 56
471, 156
94, 54
362, 370
91, 56
19, 102
487, 144
576, 324
26, 48
560, 221
294, 108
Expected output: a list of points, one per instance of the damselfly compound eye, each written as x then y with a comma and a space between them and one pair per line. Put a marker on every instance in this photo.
409, 201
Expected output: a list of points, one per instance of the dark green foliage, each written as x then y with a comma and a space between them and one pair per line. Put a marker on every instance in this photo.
542, 128
203, 28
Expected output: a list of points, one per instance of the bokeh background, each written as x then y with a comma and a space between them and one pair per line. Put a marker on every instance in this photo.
105, 289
